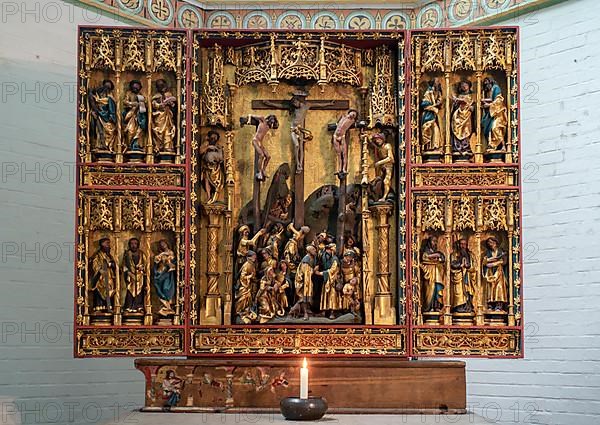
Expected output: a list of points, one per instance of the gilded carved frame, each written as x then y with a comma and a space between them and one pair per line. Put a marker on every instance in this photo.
487, 188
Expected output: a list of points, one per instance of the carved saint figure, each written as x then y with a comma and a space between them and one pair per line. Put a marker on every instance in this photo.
340, 144
164, 277
494, 275
266, 296
103, 277
385, 165
274, 239
332, 285
135, 117
462, 119
246, 243
213, 174
291, 252
283, 288
103, 123
244, 305
432, 265
350, 246
263, 125
493, 120
135, 266
431, 136
163, 121
462, 277
303, 281
267, 260
279, 197
351, 294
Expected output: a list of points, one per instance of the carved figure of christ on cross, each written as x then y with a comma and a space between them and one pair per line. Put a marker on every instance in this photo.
298, 106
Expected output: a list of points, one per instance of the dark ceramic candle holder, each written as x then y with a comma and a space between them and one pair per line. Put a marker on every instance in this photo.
303, 409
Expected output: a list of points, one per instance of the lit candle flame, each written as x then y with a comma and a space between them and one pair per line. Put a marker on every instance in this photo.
304, 364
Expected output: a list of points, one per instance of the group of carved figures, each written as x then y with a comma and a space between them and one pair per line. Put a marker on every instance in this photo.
272, 282
466, 295
134, 122
462, 118
135, 276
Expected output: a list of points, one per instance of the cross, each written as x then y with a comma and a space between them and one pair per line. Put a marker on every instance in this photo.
298, 107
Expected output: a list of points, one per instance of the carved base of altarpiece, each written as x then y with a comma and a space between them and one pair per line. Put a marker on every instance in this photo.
350, 386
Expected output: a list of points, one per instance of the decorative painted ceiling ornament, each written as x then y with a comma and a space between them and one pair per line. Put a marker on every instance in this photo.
189, 17
430, 16
461, 11
395, 21
360, 21
221, 20
495, 6
291, 20
325, 21
131, 6
161, 11
257, 20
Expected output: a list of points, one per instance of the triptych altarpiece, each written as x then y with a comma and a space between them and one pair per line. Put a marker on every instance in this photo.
283, 193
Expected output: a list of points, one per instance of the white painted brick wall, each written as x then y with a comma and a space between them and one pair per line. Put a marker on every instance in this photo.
558, 382
37, 150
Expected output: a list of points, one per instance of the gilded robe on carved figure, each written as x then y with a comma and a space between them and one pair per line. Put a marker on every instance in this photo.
493, 120
462, 277
135, 117
462, 118
432, 265
103, 281
244, 290
103, 122
164, 277
135, 267
163, 121
331, 299
494, 274
430, 126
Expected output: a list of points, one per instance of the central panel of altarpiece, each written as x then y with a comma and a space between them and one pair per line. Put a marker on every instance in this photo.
298, 193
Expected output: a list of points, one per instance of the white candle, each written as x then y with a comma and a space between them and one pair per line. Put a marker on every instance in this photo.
304, 380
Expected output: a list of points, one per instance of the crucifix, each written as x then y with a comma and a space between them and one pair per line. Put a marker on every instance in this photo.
298, 106
261, 156
339, 141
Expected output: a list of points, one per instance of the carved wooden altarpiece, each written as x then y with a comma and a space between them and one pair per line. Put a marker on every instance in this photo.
271, 193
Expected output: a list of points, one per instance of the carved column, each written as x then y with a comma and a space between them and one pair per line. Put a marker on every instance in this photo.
367, 267
115, 240
478, 74
86, 276
509, 88
149, 66
211, 310
447, 318
447, 130
179, 74
479, 291
416, 118
118, 61
385, 312
509, 279
230, 199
